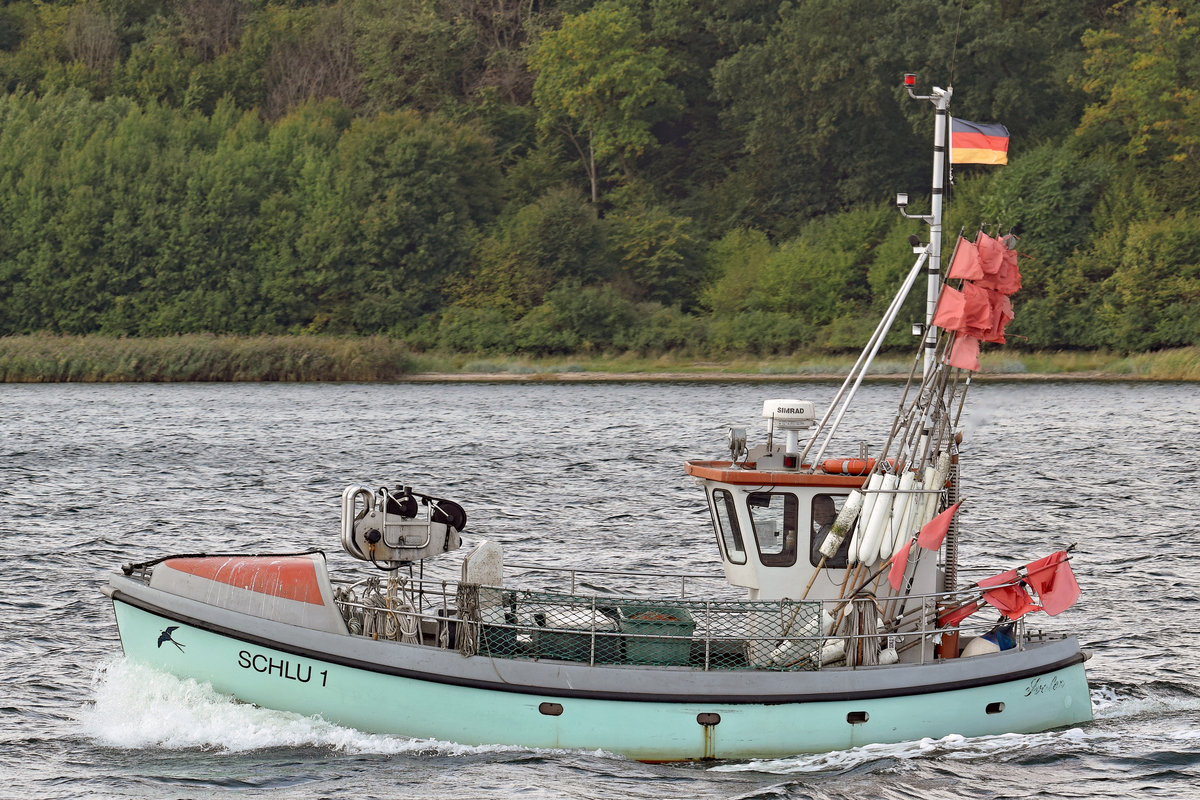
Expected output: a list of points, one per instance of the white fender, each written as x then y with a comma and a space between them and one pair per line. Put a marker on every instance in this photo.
833, 651
869, 500
919, 518
842, 525
868, 549
937, 484
896, 519
916, 506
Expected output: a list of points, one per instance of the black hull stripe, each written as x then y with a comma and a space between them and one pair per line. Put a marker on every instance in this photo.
646, 697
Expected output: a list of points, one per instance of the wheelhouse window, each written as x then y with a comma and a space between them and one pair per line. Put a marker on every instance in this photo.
729, 535
824, 510
775, 517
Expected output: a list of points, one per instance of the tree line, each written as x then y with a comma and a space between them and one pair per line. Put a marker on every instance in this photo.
504, 176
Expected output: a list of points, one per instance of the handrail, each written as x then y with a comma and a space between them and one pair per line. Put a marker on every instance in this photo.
753, 628
573, 571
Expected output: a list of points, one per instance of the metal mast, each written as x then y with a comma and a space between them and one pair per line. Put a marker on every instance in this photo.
941, 102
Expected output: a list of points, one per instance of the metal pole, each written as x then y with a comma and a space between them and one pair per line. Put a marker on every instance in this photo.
869, 354
941, 101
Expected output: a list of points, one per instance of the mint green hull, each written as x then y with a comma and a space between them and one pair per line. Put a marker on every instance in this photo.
651, 731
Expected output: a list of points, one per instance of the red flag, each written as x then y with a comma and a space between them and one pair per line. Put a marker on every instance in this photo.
1006, 280
1012, 601
991, 253
899, 562
950, 308
1002, 314
1009, 259
934, 531
957, 615
977, 308
966, 262
1051, 577
965, 353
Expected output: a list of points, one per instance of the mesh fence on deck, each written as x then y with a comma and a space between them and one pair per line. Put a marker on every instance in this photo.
716, 635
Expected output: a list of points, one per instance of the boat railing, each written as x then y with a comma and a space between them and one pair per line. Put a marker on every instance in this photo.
569, 577
703, 634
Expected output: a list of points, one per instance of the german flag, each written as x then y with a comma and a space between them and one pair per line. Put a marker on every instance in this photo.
977, 143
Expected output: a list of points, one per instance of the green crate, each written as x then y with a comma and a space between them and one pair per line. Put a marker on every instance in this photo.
661, 635
573, 640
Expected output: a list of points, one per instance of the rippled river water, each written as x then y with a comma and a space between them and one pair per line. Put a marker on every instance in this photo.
92, 476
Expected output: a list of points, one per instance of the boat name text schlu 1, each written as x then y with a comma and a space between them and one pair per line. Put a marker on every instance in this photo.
282, 668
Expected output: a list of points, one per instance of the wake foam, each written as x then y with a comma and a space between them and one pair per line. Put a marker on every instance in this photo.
953, 746
1170, 706
136, 707
1114, 702
948, 747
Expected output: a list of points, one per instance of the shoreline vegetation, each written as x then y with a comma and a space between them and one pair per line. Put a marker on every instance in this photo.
220, 358
565, 180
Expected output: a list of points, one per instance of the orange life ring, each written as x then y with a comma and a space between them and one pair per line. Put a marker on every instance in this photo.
847, 466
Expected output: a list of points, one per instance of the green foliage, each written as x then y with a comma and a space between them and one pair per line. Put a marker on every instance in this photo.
403, 167
574, 318
1143, 73
821, 274
1155, 290
541, 332
762, 332
475, 330
736, 261
891, 261
660, 257
660, 329
601, 84
408, 55
825, 129
1067, 313
411, 194
825, 124
1008, 62
155, 222
557, 238
1051, 192
155, 73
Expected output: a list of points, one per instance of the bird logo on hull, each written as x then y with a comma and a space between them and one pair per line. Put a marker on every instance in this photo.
165, 636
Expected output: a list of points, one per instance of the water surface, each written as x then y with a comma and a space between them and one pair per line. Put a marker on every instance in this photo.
92, 476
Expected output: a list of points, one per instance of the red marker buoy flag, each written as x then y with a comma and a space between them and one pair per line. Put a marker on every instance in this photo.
1054, 581
930, 538
934, 531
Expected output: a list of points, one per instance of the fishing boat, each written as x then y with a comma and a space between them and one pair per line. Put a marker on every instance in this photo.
842, 615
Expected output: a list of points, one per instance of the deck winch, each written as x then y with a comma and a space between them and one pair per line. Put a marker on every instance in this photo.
394, 526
